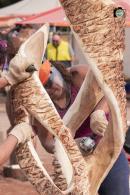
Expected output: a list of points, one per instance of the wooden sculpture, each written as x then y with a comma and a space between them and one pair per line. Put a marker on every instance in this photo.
29, 99
98, 26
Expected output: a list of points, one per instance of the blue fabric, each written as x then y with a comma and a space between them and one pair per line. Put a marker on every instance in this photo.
117, 181
127, 87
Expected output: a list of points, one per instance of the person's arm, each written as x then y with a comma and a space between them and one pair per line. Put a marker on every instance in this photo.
78, 74
98, 118
102, 105
3, 82
46, 138
19, 134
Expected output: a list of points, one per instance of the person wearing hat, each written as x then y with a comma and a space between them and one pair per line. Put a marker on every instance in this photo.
62, 86
60, 50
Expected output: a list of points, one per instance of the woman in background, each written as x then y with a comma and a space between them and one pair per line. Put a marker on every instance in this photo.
62, 86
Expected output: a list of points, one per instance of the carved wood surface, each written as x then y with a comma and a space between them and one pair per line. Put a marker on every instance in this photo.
28, 99
101, 37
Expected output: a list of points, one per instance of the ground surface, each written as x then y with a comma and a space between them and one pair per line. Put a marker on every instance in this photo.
9, 186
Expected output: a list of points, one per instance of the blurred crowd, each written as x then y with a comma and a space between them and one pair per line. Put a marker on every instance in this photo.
58, 48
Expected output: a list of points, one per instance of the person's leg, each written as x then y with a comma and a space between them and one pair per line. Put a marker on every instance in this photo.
117, 181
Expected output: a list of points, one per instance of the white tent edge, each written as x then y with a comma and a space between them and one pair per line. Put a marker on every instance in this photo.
29, 7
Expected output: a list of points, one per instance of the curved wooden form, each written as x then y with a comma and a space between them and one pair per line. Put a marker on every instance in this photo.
100, 33
29, 99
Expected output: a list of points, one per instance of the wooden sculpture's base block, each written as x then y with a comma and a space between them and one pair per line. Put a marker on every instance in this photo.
14, 171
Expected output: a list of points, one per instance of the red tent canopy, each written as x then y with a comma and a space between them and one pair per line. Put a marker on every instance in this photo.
55, 16
12, 19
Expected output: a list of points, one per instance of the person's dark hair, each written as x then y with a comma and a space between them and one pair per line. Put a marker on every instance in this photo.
63, 70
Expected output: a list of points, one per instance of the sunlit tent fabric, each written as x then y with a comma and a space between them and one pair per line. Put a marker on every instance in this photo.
46, 11
29, 7
54, 16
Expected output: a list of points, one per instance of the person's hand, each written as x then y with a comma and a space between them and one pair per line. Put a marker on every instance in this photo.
98, 122
22, 132
3, 82
17, 70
